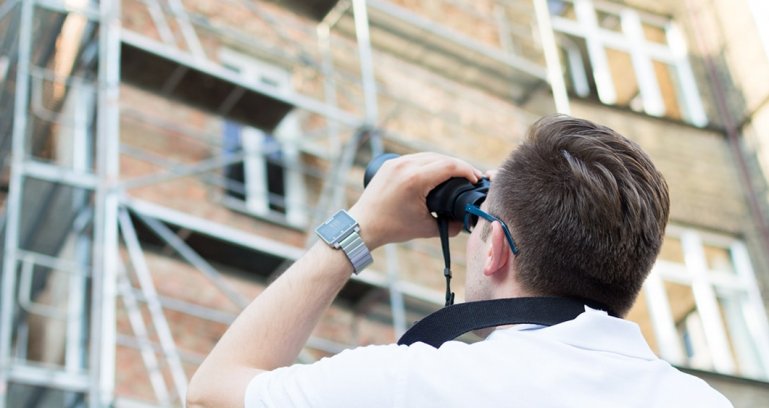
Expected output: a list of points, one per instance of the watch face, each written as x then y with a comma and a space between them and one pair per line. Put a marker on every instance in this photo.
336, 227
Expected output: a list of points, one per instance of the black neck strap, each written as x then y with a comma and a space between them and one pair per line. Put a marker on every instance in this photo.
455, 320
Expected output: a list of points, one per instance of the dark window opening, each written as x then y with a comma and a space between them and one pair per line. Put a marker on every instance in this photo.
235, 175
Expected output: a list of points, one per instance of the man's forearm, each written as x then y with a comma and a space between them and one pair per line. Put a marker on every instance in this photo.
272, 330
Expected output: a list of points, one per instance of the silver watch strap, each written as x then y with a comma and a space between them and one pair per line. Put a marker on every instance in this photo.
356, 250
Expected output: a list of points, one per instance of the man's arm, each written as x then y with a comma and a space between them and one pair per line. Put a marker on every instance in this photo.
272, 330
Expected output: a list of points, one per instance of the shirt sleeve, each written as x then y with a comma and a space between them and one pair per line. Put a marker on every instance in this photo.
371, 376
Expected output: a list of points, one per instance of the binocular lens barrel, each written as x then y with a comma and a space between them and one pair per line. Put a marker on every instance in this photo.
449, 198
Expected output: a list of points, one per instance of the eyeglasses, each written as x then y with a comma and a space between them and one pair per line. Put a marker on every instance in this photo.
472, 212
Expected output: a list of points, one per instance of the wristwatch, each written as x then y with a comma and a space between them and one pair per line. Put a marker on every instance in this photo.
341, 231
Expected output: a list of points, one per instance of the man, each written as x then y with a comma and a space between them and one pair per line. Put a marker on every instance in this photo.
586, 209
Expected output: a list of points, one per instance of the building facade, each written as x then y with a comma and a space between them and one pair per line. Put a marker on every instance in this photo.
163, 161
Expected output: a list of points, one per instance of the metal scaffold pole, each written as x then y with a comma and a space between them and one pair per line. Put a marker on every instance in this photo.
13, 204
368, 80
105, 250
335, 185
366, 61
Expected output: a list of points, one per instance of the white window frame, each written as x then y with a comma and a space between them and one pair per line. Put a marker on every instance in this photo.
632, 41
287, 133
257, 72
705, 284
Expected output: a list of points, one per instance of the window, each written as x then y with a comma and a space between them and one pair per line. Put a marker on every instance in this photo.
262, 166
627, 58
700, 306
268, 182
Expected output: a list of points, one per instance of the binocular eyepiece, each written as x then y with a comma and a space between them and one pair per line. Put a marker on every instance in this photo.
449, 198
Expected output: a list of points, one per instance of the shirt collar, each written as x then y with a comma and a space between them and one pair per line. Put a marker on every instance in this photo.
591, 330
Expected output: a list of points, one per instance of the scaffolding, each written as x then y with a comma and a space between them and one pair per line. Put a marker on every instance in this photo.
76, 226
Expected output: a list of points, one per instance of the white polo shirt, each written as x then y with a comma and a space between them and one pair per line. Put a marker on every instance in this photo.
594, 360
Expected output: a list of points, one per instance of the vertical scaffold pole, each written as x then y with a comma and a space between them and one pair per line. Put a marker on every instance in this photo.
103, 330
360, 13
366, 62
13, 204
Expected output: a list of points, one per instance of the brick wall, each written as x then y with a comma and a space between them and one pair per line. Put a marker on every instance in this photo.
697, 164
194, 336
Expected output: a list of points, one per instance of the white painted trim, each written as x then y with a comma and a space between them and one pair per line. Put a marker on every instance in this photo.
692, 102
288, 134
632, 40
614, 39
255, 170
648, 85
754, 311
596, 51
257, 72
707, 304
751, 344
662, 318
577, 70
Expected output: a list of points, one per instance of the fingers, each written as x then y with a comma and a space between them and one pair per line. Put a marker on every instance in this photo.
490, 174
393, 206
443, 170
437, 168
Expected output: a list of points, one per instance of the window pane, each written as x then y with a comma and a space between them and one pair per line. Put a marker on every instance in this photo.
719, 259
562, 8
654, 33
681, 300
623, 76
670, 89
672, 250
688, 323
689, 327
233, 174
741, 343
576, 64
691, 331
609, 21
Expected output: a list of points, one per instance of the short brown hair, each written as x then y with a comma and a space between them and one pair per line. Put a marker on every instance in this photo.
587, 208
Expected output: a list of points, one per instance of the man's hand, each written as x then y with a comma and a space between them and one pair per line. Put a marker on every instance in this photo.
272, 330
393, 208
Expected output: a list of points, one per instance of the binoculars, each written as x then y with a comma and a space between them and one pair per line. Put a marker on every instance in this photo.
448, 199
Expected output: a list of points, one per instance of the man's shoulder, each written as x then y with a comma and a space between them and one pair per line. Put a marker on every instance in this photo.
690, 389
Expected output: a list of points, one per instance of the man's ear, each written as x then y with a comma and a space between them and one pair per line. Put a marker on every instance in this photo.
498, 251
